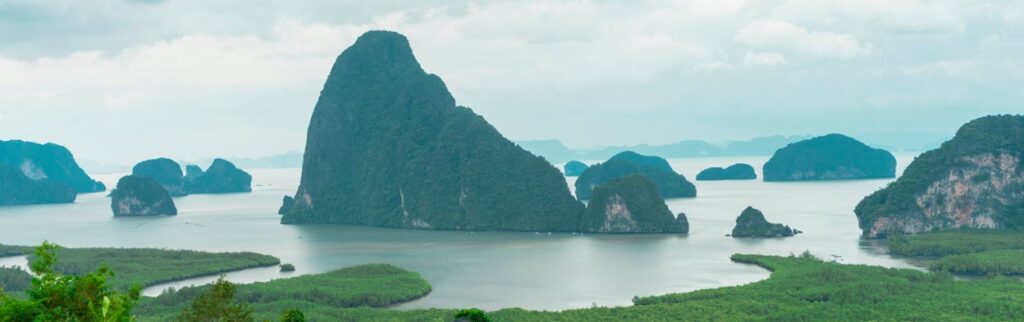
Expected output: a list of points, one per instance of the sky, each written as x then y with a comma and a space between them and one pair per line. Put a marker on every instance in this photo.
123, 81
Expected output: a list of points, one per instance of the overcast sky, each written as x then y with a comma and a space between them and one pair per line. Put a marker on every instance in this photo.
121, 81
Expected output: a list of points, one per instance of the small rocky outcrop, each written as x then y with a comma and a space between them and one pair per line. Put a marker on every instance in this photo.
751, 223
670, 184
164, 171
739, 171
286, 205
631, 204
47, 162
975, 180
574, 168
137, 195
18, 189
829, 157
221, 177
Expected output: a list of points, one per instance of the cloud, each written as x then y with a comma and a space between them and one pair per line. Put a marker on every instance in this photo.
764, 59
778, 34
910, 16
209, 77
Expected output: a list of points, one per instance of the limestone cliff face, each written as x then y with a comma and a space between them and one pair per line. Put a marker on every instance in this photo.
631, 204
20, 188
138, 195
975, 180
974, 194
47, 162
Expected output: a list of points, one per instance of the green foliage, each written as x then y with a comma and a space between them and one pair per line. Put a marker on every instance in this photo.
366, 285
647, 210
829, 157
955, 242
14, 279
293, 316
966, 251
471, 315
804, 288
217, 303
137, 195
387, 146
57, 297
287, 268
9, 250
670, 184
801, 288
993, 262
147, 266
990, 134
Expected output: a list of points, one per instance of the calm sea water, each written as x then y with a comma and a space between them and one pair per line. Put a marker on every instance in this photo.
488, 270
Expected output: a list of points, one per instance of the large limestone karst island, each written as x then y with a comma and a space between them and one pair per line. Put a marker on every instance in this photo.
221, 176
631, 204
829, 157
388, 146
656, 169
18, 189
137, 195
164, 171
47, 162
975, 180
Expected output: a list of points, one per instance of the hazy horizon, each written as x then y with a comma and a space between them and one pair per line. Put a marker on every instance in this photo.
122, 81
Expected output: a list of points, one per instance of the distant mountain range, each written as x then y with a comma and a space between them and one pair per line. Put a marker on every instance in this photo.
556, 152
290, 159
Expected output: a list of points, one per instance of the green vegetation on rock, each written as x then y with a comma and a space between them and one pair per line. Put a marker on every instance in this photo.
387, 146
631, 204
975, 180
751, 223
739, 171
221, 177
137, 195
574, 168
18, 189
50, 162
164, 171
829, 157
670, 184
